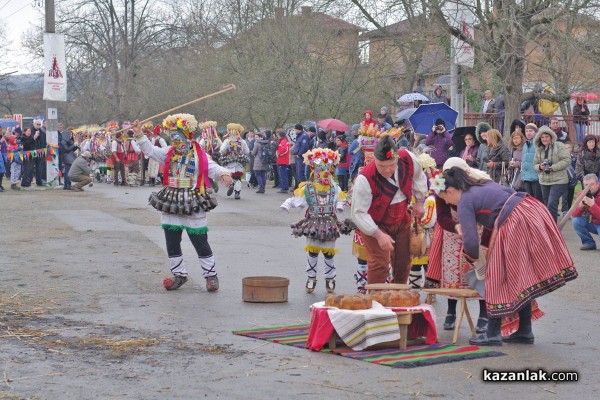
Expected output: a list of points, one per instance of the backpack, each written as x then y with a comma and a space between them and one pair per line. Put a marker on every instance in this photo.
266, 154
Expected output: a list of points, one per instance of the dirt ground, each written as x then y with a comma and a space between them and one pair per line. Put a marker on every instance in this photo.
83, 314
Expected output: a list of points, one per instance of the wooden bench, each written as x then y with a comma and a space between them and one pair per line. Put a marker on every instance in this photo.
462, 295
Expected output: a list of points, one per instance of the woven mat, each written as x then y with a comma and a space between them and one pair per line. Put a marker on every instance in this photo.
417, 354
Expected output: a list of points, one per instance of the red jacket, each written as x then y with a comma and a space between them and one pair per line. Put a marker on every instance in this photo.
593, 211
344, 161
283, 152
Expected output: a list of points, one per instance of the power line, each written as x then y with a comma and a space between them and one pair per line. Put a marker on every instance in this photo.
7, 17
5, 4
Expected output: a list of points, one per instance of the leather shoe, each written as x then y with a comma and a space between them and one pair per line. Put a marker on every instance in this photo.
587, 248
518, 337
230, 190
481, 325
484, 340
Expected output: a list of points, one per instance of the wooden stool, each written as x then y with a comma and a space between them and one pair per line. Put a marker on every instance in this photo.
462, 295
404, 321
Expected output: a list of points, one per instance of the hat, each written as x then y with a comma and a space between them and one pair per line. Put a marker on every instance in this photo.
18, 130
385, 149
384, 108
355, 127
531, 126
368, 112
440, 121
86, 154
299, 127
324, 157
312, 129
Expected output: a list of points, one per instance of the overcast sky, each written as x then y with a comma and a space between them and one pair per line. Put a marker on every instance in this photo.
18, 16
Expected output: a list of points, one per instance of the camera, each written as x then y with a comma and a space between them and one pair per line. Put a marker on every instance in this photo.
547, 164
440, 127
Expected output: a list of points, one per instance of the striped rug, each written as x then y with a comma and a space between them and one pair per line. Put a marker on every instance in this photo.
417, 354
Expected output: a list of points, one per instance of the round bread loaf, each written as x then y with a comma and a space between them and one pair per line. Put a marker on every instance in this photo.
397, 298
356, 301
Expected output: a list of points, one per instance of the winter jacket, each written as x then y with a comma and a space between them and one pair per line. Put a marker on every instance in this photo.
40, 142
283, 152
482, 152
68, 148
28, 142
527, 172
498, 155
588, 162
581, 114
80, 167
593, 211
473, 153
358, 158
439, 144
302, 145
258, 163
558, 157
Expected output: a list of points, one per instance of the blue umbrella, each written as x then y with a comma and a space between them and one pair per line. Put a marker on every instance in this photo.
424, 117
8, 123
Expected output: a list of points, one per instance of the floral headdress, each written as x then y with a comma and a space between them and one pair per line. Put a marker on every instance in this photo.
208, 124
235, 128
185, 123
321, 157
147, 127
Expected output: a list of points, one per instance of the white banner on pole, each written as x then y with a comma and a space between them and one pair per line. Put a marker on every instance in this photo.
463, 52
55, 68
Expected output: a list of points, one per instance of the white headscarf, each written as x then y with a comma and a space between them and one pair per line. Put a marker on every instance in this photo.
462, 164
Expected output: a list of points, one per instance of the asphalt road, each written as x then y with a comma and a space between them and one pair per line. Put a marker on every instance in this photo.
83, 314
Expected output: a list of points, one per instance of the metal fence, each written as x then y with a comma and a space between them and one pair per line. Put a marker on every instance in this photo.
566, 121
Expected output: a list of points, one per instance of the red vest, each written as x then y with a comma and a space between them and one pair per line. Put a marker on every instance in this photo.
383, 190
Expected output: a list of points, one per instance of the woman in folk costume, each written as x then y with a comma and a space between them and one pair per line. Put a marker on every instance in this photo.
132, 164
323, 197
234, 155
514, 274
184, 200
427, 222
155, 167
446, 264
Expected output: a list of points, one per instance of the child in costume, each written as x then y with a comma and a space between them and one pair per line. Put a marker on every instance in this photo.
184, 200
234, 155
323, 197
211, 143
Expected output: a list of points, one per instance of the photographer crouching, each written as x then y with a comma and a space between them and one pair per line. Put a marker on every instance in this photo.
79, 174
586, 217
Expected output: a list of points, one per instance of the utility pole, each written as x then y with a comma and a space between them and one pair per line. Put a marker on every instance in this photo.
53, 166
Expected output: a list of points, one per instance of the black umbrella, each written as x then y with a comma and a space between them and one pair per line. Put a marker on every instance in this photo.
459, 138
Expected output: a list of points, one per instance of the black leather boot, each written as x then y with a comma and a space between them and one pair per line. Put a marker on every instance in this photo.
524, 334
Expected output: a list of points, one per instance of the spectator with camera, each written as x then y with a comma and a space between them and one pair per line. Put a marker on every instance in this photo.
586, 217
79, 172
551, 160
440, 142
68, 149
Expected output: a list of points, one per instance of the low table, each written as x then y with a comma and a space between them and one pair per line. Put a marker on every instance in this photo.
404, 320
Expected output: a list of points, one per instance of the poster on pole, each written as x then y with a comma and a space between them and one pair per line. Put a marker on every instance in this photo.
55, 68
462, 52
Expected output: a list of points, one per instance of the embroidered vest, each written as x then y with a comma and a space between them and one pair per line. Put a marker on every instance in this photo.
319, 205
383, 190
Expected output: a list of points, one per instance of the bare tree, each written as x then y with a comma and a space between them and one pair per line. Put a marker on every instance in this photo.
112, 39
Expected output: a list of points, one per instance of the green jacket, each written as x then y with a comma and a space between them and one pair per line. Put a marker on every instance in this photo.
558, 157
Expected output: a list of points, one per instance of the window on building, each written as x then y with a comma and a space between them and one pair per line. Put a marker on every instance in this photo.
364, 48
